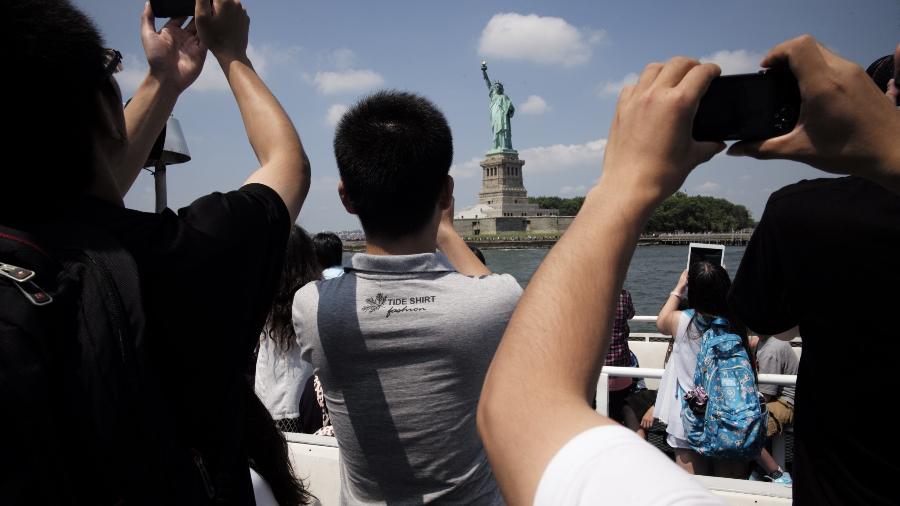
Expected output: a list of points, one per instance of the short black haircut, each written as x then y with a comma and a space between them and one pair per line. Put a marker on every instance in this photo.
393, 151
329, 249
55, 58
881, 71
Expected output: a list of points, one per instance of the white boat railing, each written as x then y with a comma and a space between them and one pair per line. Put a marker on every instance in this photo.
784, 380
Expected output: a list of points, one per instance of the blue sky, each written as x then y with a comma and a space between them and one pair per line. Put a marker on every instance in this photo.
562, 64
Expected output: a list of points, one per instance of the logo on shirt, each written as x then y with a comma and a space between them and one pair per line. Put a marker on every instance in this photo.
374, 303
397, 305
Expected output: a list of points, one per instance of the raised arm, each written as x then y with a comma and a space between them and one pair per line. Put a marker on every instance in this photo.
284, 167
457, 251
175, 56
487, 80
556, 341
667, 320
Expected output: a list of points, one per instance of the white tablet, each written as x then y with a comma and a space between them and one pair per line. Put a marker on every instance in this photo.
712, 253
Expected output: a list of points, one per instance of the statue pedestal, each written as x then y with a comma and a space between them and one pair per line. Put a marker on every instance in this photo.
502, 188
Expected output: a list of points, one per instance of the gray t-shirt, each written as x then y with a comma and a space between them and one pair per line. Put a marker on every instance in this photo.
775, 356
401, 345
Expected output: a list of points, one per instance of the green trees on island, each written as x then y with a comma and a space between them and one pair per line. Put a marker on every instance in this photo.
698, 214
567, 207
679, 212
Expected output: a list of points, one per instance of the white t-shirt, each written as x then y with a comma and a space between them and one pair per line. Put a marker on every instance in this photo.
679, 371
611, 465
281, 376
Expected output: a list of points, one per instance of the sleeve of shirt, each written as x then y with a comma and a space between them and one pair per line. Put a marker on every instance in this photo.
769, 363
611, 465
305, 299
790, 362
253, 212
234, 245
629, 306
759, 295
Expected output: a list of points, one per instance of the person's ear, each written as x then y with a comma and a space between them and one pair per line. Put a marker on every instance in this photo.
111, 114
345, 199
446, 196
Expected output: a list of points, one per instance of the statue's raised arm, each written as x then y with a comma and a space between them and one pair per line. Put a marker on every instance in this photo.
487, 80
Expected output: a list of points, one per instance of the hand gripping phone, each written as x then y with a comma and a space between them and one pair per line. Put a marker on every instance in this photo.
748, 107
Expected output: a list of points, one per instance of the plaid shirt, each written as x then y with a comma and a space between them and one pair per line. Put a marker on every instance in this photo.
619, 354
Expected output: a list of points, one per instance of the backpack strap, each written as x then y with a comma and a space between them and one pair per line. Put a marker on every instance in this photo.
24, 263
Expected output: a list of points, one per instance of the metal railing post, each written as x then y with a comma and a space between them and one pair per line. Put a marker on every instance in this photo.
602, 395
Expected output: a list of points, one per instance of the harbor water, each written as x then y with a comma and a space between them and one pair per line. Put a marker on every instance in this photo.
653, 272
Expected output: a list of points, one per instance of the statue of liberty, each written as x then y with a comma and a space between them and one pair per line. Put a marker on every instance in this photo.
502, 111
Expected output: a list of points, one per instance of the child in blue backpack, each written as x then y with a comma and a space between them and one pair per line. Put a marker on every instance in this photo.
697, 300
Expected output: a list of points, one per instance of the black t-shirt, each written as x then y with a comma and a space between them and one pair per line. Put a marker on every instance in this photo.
826, 256
208, 276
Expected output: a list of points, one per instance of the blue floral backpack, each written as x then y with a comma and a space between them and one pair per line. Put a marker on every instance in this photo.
724, 415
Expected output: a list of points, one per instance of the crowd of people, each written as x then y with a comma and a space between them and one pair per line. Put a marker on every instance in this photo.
127, 339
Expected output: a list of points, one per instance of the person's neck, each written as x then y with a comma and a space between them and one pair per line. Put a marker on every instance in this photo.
104, 186
422, 242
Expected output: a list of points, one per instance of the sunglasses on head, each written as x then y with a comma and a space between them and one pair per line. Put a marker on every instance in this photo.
112, 62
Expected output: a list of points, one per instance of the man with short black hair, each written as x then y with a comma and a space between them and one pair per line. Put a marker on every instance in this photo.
154, 404
402, 341
329, 253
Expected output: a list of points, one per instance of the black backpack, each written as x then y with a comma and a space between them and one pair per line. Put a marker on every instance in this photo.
83, 420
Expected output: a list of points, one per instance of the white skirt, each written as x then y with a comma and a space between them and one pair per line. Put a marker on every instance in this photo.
668, 403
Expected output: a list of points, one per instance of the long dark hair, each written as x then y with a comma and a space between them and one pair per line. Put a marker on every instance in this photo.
300, 267
708, 286
267, 451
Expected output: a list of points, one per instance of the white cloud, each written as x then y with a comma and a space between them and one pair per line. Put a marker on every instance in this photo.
558, 157
739, 61
708, 187
545, 159
597, 36
213, 79
538, 39
335, 113
613, 88
342, 58
534, 105
133, 73
346, 81
573, 191
466, 170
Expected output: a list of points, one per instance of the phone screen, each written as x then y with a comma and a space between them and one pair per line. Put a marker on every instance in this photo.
714, 256
748, 107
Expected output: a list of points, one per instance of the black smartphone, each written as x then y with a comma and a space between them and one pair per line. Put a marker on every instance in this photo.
172, 8
748, 107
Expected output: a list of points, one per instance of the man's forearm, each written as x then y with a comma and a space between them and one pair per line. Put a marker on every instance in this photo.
145, 117
283, 163
585, 269
459, 253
